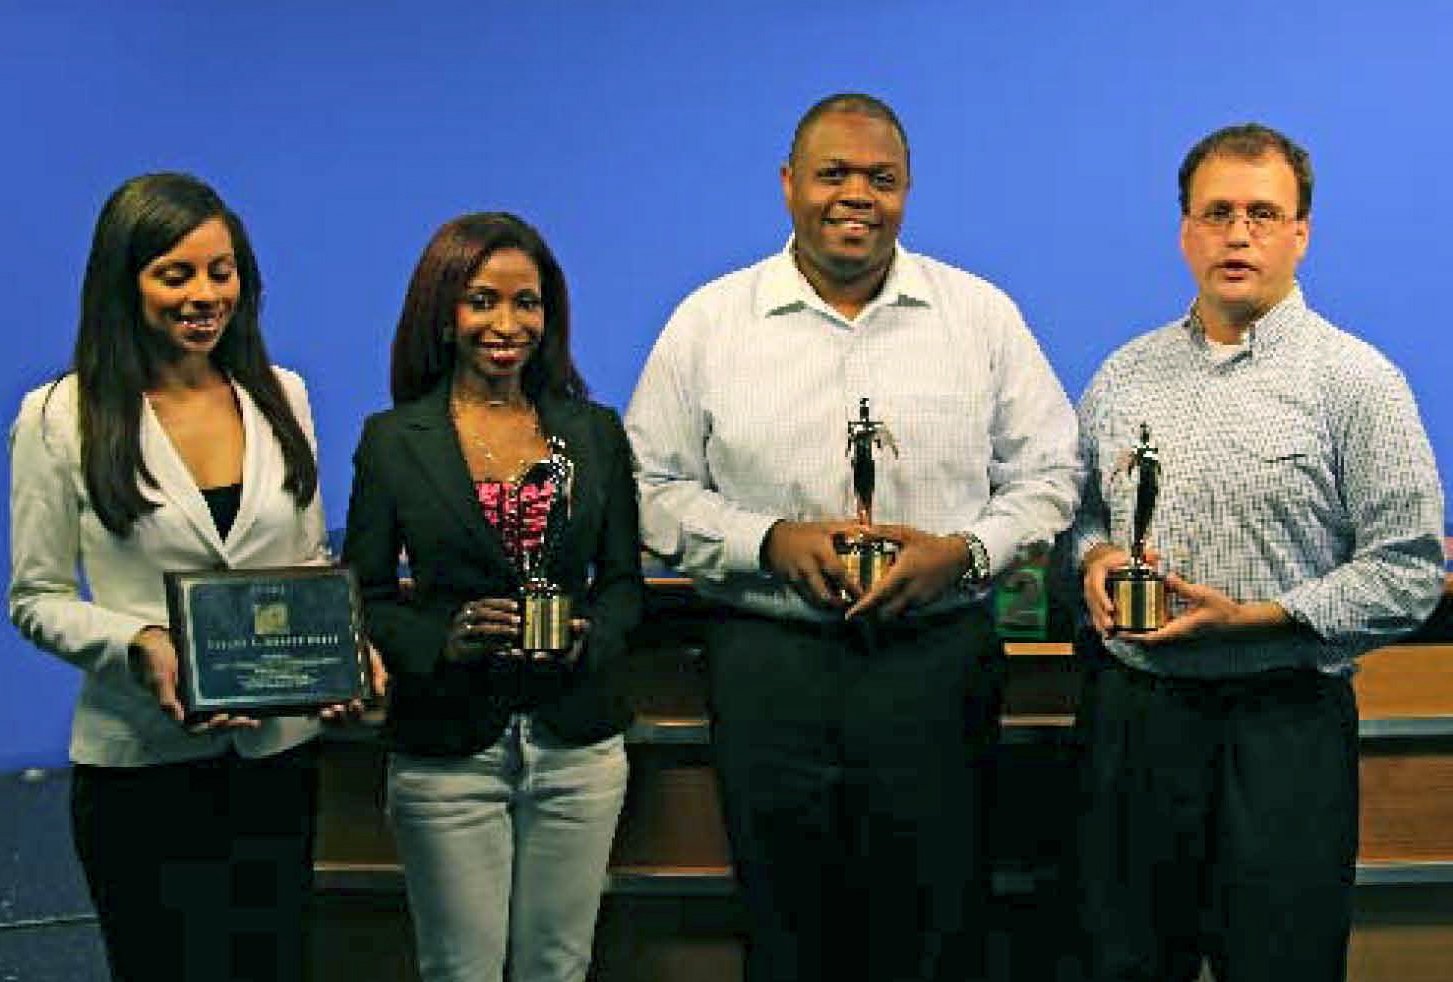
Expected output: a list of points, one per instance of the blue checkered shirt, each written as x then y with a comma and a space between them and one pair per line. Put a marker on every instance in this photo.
1297, 471
741, 419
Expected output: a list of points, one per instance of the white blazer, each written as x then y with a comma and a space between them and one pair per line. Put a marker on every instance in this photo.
56, 539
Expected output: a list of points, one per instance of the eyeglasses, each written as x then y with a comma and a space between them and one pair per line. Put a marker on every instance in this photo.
1263, 219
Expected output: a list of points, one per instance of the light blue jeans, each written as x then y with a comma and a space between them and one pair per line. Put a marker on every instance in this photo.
506, 851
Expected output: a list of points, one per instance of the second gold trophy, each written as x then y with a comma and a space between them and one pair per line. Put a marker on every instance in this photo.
866, 556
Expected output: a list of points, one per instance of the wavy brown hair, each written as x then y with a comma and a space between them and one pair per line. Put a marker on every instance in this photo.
423, 346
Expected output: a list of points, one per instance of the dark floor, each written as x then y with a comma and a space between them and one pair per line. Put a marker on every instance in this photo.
47, 928
48, 931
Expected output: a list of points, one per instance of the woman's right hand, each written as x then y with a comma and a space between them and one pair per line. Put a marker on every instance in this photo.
483, 627
153, 661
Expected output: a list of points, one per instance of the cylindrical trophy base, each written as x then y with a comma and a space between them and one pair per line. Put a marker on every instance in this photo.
544, 619
867, 560
1138, 593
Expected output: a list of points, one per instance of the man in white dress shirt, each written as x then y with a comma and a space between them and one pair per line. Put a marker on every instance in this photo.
852, 728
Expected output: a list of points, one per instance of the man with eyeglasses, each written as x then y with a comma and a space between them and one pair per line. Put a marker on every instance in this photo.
1299, 523
852, 729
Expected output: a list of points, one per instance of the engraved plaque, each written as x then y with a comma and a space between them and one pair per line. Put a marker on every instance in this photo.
267, 642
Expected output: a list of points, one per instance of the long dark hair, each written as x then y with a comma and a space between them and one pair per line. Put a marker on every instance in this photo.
423, 346
115, 360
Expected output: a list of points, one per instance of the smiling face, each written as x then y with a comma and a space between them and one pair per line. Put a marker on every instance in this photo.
1242, 271
189, 292
500, 317
846, 186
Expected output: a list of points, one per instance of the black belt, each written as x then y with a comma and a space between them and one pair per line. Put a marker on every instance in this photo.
1266, 682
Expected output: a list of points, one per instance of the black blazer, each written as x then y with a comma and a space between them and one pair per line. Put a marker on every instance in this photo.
412, 490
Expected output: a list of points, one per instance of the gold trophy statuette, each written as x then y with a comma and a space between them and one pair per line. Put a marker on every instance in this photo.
1138, 590
866, 557
545, 609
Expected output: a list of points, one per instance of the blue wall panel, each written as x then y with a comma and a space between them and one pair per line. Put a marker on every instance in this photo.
643, 139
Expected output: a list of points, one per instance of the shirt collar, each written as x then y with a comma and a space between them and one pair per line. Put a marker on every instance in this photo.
783, 289
1266, 331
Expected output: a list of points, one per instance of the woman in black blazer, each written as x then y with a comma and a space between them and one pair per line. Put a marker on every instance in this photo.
508, 767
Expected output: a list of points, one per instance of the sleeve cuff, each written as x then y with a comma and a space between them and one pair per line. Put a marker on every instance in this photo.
1082, 540
116, 651
743, 542
1000, 542
1299, 603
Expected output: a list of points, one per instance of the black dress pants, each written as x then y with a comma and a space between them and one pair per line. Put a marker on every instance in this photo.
200, 870
853, 760
1220, 821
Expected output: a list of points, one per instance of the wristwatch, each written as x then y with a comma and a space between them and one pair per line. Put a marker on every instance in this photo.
976, 575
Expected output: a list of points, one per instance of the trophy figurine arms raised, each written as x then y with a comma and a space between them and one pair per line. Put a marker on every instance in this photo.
545, 609
866, 556
1138, 589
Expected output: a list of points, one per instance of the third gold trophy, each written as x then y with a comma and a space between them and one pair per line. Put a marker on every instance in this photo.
1138, 588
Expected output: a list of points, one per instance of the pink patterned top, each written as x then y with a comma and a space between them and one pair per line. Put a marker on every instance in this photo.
518, 513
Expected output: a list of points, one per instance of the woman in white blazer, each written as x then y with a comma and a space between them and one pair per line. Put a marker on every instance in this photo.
173, 444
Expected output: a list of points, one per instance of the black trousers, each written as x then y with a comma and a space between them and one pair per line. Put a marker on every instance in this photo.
200, 870
853, 761
1220, 821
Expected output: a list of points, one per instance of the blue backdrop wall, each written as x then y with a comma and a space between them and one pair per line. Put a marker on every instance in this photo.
643, 139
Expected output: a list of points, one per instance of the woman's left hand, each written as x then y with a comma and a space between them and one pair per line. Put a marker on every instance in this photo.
353, 710
224, 721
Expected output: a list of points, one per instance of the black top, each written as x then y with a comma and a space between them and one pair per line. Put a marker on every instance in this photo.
223, 502
412, 490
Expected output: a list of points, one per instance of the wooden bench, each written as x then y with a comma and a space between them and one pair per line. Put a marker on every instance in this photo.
671, 909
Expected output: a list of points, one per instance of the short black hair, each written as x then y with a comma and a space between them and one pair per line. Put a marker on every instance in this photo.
1249, 141
847, 102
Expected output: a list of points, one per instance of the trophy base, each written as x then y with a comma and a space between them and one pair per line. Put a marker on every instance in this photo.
545, 619
867, 560
1138, 593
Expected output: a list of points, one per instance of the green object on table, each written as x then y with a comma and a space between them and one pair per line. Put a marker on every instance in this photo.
1021, 604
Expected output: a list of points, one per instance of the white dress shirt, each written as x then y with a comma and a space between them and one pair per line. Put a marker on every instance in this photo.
741, 419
